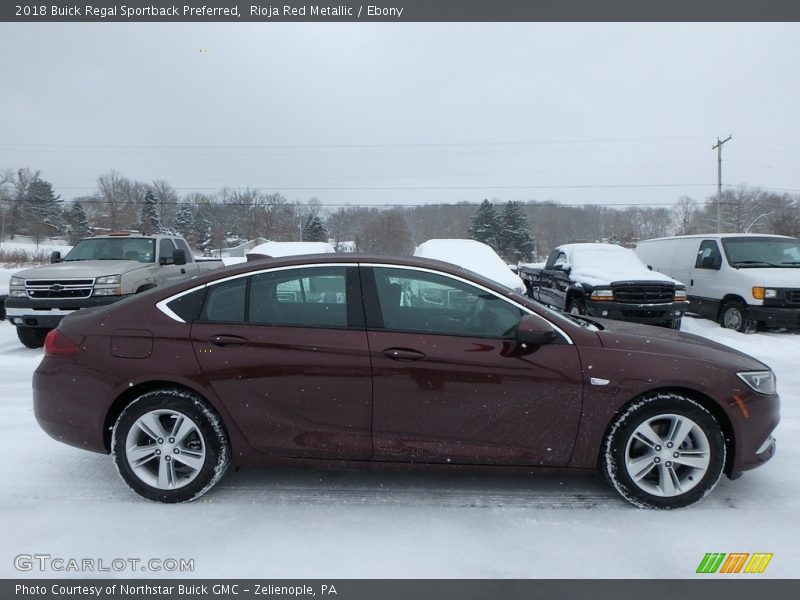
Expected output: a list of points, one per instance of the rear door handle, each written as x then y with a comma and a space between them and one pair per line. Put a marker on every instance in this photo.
227, 340
403, 354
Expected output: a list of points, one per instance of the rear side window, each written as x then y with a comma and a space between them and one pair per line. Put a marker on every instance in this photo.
302, 297
188, 306
226, 302
310, 297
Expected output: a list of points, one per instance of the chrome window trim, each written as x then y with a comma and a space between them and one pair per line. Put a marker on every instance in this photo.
162, 305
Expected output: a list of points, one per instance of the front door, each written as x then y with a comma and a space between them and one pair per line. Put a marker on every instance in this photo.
452, 385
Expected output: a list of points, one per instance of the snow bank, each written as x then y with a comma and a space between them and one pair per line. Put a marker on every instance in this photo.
278, 249
601, 264
474, 256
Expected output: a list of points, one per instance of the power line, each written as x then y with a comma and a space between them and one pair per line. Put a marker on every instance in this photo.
441, 188
334, 146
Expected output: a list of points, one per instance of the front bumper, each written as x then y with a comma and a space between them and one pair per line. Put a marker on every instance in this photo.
651, 314
776, 316
47, 313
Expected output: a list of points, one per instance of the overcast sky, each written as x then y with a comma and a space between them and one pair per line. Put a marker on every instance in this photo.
446, 112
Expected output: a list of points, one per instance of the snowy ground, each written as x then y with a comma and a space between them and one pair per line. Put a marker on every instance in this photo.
68, 503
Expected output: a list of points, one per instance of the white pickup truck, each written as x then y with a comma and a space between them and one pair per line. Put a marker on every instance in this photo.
97, 271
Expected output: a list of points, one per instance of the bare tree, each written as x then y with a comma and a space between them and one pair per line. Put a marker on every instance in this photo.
685, 212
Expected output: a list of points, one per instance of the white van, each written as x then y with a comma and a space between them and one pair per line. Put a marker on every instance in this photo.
741, 280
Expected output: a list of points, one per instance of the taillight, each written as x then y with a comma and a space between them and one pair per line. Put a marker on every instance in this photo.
57, 344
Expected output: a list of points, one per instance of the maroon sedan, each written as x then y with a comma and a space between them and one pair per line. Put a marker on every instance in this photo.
375, 360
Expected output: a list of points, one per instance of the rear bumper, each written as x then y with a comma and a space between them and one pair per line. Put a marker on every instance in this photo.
652, 314
65, 409
24, 312
776, 316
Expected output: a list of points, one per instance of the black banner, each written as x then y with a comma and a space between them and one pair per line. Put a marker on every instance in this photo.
400, 10
383, 589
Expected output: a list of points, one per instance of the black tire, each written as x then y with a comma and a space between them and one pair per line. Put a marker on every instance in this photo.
32, 337
208, 439
734, 316
622, 448
577, 306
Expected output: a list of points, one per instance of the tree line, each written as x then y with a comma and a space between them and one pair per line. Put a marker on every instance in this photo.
519, 231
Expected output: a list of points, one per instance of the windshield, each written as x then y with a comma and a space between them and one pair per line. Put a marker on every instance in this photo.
138, 249
762, 252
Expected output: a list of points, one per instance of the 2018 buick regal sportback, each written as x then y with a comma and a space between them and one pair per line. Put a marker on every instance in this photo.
363, 360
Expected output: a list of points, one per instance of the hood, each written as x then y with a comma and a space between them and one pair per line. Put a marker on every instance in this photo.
633, 337
609, 275
81, 268
779, 277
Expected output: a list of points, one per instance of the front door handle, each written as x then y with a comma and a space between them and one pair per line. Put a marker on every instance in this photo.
227, 340
403, 354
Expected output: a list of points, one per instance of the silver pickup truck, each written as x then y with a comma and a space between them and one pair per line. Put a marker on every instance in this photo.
97, 271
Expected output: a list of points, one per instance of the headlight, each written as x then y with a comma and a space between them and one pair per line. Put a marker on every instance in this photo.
761, 382
107, 291
16, 281
17, 294
108, 280
680, 296
759, 293
602, 295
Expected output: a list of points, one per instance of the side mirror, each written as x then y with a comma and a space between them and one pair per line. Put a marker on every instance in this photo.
535, 331
55, 256
708, 262
178, 257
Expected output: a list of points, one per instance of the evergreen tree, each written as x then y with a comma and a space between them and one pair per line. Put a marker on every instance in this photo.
41, 210
151, 218
516, 243
314, 230
184, 221
485, 225
79, 224
201, 231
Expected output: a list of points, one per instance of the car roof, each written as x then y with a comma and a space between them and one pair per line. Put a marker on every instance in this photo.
345, 258
719, 236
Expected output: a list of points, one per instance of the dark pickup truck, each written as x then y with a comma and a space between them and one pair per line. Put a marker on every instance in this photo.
608, 281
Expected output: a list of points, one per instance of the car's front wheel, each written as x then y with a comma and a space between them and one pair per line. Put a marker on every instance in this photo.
32, 337
169, 446
576, 307
664, 451
734, 316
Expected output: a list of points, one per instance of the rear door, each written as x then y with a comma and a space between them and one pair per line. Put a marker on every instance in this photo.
286, 352
451, 384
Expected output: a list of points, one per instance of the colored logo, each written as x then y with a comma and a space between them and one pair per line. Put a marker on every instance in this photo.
734, 562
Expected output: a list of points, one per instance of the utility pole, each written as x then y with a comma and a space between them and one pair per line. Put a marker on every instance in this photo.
718, 148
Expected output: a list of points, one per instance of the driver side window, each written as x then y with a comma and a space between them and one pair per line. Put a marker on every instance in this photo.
422, 302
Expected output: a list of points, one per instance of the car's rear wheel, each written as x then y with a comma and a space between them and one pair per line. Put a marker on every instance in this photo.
169, 446
664, 451
32, 337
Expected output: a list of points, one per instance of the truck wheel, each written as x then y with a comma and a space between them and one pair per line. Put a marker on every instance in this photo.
664, 451
734, 316
32, 337
169, 446
576, 307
